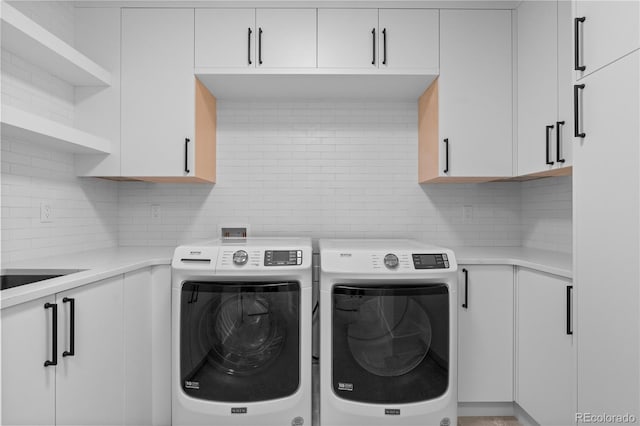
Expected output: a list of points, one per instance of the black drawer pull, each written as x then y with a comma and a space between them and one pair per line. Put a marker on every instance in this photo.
576, 111
384, 46
466, 288
549, 162
186, 155
54, 334
569, 326
577, 66
446, 155
559, 158
249, 46
72, 327
373, 37
260, 46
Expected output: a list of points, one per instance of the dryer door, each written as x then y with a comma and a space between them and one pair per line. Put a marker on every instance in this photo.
239, 341
390, 342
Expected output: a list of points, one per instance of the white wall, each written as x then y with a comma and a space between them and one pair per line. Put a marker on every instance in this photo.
85, 210
547, 214
320, 169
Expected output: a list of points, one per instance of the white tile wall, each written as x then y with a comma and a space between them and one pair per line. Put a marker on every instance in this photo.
84, 210
320, 169
547, 214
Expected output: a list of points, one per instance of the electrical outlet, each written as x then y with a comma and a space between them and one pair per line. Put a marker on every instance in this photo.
467, 214
155, 214
46, 212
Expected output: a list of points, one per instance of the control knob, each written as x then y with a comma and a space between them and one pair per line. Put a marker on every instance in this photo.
240, 257
391, 261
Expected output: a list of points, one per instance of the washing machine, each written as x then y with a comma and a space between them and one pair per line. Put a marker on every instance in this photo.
241, 333
387, 333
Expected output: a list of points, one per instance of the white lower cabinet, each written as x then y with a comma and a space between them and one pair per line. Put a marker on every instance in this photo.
546, 356
28, 387
485, 333
82, 381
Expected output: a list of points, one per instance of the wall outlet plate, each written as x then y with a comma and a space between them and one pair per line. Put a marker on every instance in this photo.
46, 212
156, 217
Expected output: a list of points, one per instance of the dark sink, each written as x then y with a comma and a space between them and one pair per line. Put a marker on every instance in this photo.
16, 278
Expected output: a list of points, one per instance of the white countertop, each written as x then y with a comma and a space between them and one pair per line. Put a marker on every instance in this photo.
552, 262
105, 263
98, 265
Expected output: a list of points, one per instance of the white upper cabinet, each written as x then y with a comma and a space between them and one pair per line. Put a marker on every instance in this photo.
606, 31
544, 87
409, 39
347, 38
394, 39
225, 38
475, 94
255, 38
286, 38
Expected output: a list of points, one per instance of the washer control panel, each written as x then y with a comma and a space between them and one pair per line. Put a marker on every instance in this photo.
430, 261
282, 257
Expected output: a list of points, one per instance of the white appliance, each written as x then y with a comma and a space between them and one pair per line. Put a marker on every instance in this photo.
388, 352
241, 333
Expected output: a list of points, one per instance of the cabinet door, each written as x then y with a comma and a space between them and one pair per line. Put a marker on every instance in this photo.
90, 383
537, 85
347, 38
565, 86
546, 355
28, 387
485, 334
157, 91
610, 31
606, 185
225, 38
286, 38
412, 39
475, 88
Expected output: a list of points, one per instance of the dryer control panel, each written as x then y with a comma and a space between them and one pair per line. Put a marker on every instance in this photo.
430, 261
282, 257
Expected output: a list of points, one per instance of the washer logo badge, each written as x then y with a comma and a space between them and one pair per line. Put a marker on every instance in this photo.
392, 411
238, 410
191, 385
297, 421
345, 386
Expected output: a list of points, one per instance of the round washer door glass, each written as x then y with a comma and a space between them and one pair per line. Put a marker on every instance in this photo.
390, 343
239, 342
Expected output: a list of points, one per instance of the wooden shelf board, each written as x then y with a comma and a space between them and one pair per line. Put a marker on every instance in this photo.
27, 39
32, 128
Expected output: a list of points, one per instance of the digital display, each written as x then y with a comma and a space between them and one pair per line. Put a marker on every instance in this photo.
427, 259
280, 256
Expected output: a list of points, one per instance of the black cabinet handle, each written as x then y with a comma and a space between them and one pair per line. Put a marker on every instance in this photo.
547, 142
186, 155
576, 111
249, 45
446, 155
54, 334
569, 326
373, 38
259, 46
72, 327
576, 38
466, 288
384, 46
559, 158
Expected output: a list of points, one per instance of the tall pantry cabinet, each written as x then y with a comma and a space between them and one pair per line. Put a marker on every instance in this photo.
606, 197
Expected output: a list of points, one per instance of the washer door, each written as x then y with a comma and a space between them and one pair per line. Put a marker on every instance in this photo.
390, 342
239, 341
